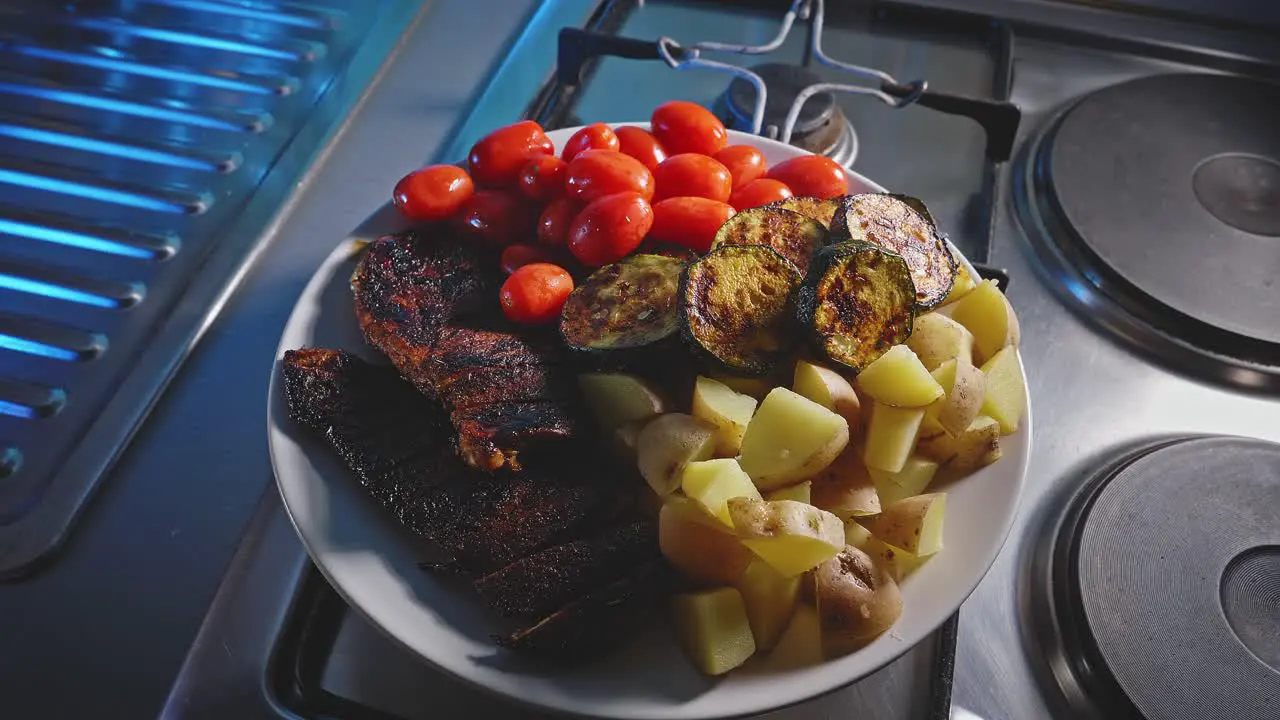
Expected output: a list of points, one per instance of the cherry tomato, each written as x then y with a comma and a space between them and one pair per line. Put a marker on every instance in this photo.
496, 160
596, 173
745, 163
497, 217
759, 192
811, 176
592, 137
519, 255
433, 193
685, 127
609, 228
689, 221
534, 293
542, 178
641, 145
692, 175
553, 224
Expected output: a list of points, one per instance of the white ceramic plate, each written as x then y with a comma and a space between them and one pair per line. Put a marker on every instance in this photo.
371, 561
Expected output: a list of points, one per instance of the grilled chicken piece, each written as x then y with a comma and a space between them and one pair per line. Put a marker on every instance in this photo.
397, 443
421, 303
594, 623
537, 585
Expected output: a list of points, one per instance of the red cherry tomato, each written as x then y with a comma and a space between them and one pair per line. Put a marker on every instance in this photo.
759, 192
609, 228
685, 127
692, 175
433, 193
497, 217
542, 178
553, 224
596, 173
689, 221
496, 160
641, 145
592, 137
534, 293
811, 176
519, 255
745, 163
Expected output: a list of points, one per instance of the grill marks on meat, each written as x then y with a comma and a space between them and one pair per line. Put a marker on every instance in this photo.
420, 302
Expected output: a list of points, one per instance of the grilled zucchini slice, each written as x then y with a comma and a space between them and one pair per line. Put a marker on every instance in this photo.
857, 302
737, 307
821, 209
671, 250
625, 306
902, 225
793, 235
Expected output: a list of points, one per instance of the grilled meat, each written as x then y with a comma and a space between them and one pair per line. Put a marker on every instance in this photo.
535, 586
420, 302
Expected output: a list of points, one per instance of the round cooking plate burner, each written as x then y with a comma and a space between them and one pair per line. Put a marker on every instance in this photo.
1158, 596
1161, 196
822, 127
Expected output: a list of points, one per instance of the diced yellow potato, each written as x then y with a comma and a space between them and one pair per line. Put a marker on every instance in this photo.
792, 537
845, 489
729, 411
626, 436
857, 600
891, 436
753, 386
618, 398
913, 524
936, 338
963, 286
789, 439
899, 562
912, 479
964, 386
698, 545
714, 630
829, 389
977, 446
990, 317
711, 483
1006, 390
898, 378
771, 601
667, 443
800, 492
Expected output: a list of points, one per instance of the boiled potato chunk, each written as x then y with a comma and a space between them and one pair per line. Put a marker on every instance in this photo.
789, 439
898, 378
1006, 390
897, 561
667, 443
771, 601
912, 479
800, 492
964, 386
977, 446
829, 389
964, 285
753, 386
626, 436
729, 411
698, 545
936, 338
714, 629
711, 483
857, 598
913, 524
891, 436
618, 398
845, 489
792, 537
988, 315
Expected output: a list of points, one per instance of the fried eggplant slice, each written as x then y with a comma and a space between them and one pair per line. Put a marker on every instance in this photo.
793, 235
896, 223
821, 209
857, 302
627, 306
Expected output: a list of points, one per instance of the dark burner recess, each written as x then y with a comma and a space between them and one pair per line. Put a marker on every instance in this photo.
1158, 596
822, 127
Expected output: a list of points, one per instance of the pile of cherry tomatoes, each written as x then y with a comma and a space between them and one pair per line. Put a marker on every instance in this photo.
609, 190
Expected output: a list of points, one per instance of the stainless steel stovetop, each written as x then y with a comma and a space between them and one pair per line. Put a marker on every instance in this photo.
1118, 382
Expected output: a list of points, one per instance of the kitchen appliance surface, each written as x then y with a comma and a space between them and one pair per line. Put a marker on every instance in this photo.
1137, 375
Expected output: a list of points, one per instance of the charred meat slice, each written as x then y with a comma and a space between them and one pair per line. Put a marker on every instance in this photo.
493, 436
536, 585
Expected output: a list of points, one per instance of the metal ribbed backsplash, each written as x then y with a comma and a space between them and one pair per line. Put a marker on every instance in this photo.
144, 145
